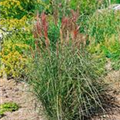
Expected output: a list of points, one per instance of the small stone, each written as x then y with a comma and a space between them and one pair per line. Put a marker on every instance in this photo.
6, 96
10, 88
3, 89
16, 89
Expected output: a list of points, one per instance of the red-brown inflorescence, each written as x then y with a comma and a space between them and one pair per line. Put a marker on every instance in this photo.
69, 30
41, 28
45, 29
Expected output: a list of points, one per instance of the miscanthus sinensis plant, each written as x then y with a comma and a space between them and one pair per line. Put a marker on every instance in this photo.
66, 79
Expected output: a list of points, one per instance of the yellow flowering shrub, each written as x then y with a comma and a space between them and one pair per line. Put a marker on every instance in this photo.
10, 8
16, 16
17, 8
11, 24
14, 59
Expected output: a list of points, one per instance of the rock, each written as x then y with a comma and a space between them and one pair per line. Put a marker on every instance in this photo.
1, 37
16, 89
3, 89
6, 96
108, 66
114, 7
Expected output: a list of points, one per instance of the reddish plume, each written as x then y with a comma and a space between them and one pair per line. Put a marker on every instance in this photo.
44, 24
65, 21
45, 28
75, 15
75, 32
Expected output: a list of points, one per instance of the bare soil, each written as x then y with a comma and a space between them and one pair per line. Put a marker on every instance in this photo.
10, 91
113, 82
113, 79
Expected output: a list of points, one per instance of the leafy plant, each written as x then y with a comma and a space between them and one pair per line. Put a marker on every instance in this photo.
103, 35
104, 25
115, 1
13, 56
8, 107
109, 49
17, 8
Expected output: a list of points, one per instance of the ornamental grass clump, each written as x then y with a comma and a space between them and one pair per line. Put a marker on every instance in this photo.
65, 80
67, 84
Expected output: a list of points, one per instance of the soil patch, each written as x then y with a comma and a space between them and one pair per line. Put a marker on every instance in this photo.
10, 91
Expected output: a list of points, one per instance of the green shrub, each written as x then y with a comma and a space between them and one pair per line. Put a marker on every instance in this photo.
85, 6
103, 35
115, 1
104, 25
111, 49
66, 83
